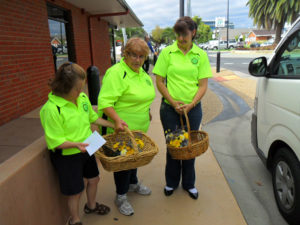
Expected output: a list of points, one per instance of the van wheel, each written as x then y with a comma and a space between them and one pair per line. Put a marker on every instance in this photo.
215, 48
286, 184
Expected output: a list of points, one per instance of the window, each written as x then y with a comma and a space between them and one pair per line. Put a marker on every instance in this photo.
289, 62
61, 35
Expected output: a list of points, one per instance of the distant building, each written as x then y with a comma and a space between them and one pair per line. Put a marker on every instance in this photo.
55, 42
211, 24
260, 35
234, 34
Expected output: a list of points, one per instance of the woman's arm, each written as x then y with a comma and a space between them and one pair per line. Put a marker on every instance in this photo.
111, 113
200, 93
69, 144
165, 93
104, 123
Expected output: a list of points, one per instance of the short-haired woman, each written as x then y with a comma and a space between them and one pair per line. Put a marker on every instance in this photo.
181, 73
126, 95
66, 118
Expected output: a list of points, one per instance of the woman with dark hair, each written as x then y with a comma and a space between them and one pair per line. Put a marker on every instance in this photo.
181, 73
126, 95
66, 118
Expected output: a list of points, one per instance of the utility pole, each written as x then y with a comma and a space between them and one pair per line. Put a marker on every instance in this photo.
227, 23
181, 8
189, 9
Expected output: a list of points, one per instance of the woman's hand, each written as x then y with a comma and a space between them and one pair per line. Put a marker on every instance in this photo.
177, 106
82, 146
187, 107
119, 125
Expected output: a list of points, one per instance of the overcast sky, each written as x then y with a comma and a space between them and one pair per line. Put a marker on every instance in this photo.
165, 12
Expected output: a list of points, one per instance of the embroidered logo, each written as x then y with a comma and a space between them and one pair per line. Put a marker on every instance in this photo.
85, 106
194, 60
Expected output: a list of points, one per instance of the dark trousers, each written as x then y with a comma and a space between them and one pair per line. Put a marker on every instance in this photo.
123, 179
146, 65
170, 119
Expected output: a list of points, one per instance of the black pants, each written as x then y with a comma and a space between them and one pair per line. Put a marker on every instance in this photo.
176, 168
146, 65
123, 179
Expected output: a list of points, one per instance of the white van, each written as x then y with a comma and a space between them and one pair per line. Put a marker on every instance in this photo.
276, 120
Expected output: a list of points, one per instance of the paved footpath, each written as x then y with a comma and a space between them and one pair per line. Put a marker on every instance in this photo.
216, 204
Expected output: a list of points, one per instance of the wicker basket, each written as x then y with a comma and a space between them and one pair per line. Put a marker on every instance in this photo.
197, 144
133, 161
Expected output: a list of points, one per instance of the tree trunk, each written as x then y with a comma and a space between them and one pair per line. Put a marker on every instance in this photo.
279, 27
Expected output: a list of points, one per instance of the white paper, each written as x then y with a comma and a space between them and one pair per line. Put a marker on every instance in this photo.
95, 141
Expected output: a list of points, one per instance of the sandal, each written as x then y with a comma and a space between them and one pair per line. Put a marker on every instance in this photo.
77, 223
100, 209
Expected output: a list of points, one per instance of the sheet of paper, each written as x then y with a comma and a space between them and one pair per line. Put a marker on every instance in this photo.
95, 141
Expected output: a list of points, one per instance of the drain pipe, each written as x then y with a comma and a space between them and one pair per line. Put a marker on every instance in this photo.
99, 17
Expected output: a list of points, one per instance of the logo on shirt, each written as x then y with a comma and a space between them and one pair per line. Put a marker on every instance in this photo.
194, 60
85, 106
148, 82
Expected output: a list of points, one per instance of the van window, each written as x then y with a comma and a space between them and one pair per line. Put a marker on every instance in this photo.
289, 63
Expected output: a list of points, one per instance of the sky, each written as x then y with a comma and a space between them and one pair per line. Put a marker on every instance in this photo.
164, 13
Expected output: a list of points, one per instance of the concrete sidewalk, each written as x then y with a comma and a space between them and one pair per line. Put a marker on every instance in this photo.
216, 204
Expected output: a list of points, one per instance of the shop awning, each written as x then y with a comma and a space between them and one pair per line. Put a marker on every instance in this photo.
116, 12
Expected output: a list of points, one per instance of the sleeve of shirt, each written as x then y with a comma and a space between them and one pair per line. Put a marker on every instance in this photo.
150, 46
52, 124
93, 116
112, 88
204, 67
161, 65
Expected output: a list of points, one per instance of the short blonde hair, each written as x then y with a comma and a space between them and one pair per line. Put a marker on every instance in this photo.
136, 45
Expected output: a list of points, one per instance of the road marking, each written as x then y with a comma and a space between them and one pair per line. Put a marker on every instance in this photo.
228, 63
245, 63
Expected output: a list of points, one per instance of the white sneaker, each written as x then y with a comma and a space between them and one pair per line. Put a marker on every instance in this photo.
124, 206
140, 189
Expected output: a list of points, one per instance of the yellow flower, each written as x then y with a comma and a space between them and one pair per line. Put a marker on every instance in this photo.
139, 142
186, 135
116, 145
123, 152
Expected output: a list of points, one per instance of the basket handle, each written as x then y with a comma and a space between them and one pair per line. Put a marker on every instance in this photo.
188, 127
132, 138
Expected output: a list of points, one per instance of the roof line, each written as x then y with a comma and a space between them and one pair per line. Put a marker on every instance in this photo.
126, 6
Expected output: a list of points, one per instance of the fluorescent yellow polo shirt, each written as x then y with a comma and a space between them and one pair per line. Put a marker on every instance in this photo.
182, 71
63, 121
129, 93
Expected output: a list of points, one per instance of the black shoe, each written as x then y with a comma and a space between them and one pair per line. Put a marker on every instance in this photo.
193, 195
168, 192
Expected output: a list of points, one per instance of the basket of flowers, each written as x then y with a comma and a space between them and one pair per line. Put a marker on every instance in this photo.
184, 145
126, 150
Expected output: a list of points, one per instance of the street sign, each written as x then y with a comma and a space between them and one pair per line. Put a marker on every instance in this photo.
220, 22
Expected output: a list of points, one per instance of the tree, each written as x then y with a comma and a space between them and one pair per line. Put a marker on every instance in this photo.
203, 32
157, 35
273, 13
168, 35
131, 32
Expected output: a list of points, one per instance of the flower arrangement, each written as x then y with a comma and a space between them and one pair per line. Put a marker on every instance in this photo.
177, 138
125, 148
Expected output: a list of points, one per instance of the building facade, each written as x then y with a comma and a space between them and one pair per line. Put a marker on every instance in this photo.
26, 57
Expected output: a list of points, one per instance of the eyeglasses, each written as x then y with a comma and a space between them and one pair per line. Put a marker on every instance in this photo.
135, 56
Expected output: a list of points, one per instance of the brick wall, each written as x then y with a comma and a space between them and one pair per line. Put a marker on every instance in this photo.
26, 61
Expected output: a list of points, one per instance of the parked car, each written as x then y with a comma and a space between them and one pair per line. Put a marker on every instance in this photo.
254, 45
62, 49
240, 44
223, 44
268, 43
275, 125
204, 46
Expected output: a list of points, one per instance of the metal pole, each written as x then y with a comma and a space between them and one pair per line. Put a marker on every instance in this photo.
218, 55
189, 10
181, 8
227, 23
